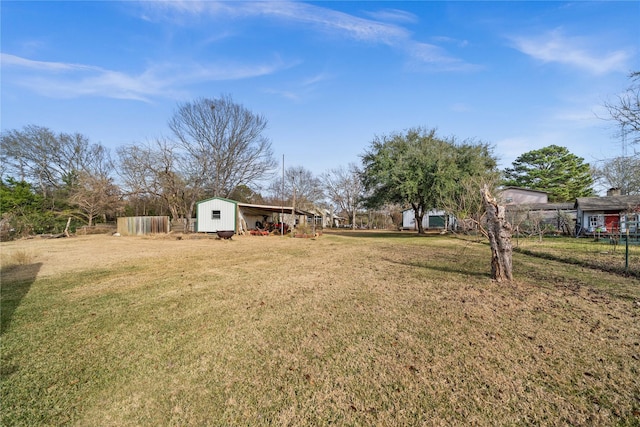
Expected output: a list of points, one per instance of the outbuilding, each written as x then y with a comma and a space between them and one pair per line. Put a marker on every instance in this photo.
220, 214
610, 214
432, 219
216, 214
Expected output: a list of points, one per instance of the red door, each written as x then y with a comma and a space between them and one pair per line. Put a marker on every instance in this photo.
612, 222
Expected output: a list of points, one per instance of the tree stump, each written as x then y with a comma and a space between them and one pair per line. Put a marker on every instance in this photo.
499, 233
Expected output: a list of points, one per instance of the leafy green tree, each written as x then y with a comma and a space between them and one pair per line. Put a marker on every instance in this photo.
421, 170
18, 195
553, 169
21, 208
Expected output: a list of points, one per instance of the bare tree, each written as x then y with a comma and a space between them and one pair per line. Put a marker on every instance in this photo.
301, 188
96, 195
466, 203
622, 173
48, 160
159, 170
344, 188
224, 142
626, 109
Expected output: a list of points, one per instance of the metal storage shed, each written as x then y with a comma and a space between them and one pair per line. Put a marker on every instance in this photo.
216, 214
220, 214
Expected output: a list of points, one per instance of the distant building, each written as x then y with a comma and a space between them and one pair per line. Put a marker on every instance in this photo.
522, 196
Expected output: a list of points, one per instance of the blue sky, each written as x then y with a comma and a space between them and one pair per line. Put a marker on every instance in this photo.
328, 76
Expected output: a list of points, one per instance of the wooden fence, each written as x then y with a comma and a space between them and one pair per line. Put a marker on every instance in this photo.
139, 225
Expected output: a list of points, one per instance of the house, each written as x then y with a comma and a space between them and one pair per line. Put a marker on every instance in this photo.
530, 211
325, 218
521, 196
610, 214
542, 217
220, 214
433, 219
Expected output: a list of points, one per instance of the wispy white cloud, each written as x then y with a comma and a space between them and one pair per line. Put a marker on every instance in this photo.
8, 60
321, 19
461, 107
298, 91
393, 15
578, 52
66, 80
581, 117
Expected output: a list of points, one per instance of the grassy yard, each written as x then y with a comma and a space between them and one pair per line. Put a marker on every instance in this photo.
384, 329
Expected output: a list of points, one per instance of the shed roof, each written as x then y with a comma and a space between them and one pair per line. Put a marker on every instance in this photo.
620, 203
259, 209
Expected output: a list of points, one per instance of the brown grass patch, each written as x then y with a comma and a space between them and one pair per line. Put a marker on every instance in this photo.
350, 329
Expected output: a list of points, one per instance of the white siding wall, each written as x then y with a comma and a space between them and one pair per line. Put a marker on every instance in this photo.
409, 218
227, 219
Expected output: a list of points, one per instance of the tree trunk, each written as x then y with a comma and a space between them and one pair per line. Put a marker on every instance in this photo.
418, 213
66, 229
499, 232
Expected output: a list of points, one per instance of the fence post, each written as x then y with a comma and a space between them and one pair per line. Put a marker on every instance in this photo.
626, 253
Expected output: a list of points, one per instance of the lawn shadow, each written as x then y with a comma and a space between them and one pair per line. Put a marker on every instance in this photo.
21, 277
382, 234
461, 268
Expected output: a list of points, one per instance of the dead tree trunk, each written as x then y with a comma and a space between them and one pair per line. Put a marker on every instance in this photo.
66, 229
499, 232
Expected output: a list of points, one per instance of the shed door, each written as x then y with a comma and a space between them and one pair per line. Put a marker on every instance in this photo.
436, 221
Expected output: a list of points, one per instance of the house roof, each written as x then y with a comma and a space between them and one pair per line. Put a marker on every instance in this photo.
541, 207
620, 203
523, 189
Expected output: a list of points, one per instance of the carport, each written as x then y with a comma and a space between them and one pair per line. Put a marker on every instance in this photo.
269, 218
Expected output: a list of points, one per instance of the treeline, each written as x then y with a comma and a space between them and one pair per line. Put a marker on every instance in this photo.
217, 147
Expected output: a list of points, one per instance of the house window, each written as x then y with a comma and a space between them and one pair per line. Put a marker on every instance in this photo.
215, 214
595, 222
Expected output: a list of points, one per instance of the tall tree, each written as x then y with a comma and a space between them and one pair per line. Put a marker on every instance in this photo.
158, 170
23, 209
620, 172
553, 169
302, 188
225, 144
626, 109
476, 169
421, 170
50, 161
345, 189
96, 195
52, 164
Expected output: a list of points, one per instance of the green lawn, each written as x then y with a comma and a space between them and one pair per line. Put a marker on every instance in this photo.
363, 329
